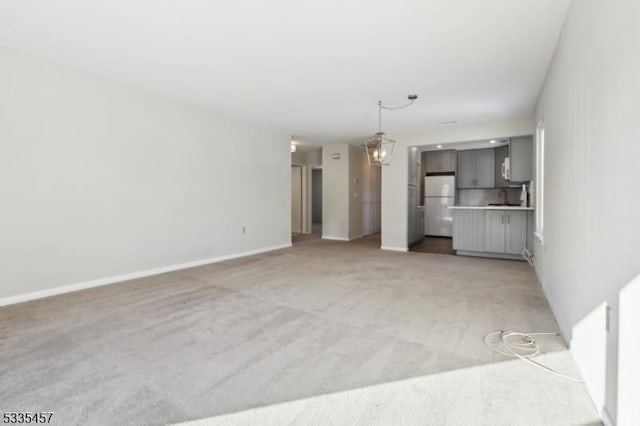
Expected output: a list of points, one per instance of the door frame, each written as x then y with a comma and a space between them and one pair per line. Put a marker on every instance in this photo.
301, 197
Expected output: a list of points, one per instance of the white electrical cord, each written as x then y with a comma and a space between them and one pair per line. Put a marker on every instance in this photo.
526, 255
522, 345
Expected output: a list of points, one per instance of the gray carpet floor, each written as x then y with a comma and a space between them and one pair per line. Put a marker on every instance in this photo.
321, 333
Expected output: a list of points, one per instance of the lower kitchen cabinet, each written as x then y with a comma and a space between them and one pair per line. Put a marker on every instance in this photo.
469, 230
495, 235
516, 232
505, 231
491, 232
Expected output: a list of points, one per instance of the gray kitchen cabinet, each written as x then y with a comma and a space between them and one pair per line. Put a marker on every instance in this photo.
505, 231
516, 232
412, 205
466, 174
476, 169
501, 152
491, 232
485, 168
469, 230
414, 166
441, 161
495, 231
521, 155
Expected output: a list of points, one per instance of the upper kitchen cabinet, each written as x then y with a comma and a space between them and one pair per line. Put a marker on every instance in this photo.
476, 168
414, 165
441, 161
502, 152
521, 159
466, 174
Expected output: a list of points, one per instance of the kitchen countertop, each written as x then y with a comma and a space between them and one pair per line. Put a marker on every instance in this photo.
490, 208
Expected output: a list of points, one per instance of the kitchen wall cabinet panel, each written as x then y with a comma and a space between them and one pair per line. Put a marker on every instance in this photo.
521, 155
466, 169
441, 161
476, 169
414, 165
485, 168
502, 152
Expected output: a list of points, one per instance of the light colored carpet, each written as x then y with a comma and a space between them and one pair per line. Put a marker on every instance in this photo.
322, 333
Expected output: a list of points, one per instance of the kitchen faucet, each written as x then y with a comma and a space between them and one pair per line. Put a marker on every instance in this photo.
503, 191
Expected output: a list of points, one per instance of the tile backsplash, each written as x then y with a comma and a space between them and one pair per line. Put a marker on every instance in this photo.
482, 197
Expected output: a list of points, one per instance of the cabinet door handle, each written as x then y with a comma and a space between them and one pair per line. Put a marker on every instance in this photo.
507, 218
502, 219
503, 172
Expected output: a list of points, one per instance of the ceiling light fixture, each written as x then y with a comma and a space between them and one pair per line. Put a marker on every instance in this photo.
439, 146
493, 141
293, 147
380, 148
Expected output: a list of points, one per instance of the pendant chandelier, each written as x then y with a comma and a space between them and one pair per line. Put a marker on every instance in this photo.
380, 148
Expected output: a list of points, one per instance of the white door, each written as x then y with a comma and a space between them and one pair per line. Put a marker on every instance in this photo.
296, 199
438, 216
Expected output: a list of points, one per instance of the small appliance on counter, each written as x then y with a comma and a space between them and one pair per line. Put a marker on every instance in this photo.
523, 196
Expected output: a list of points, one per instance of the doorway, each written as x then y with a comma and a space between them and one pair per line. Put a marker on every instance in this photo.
316, 200
296, 199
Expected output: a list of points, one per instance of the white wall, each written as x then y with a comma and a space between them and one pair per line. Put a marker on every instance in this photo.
590, 105
314, 157
296, 199
395, 176
356, 228
342, 185
628, 412
98, 180
307, 157
335, 192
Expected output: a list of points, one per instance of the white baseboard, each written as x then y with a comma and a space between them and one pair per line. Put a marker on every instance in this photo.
564, 331
606, 418
329, 237
131, 276
394, 249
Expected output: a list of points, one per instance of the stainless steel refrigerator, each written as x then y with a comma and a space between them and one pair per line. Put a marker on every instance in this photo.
439, 195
